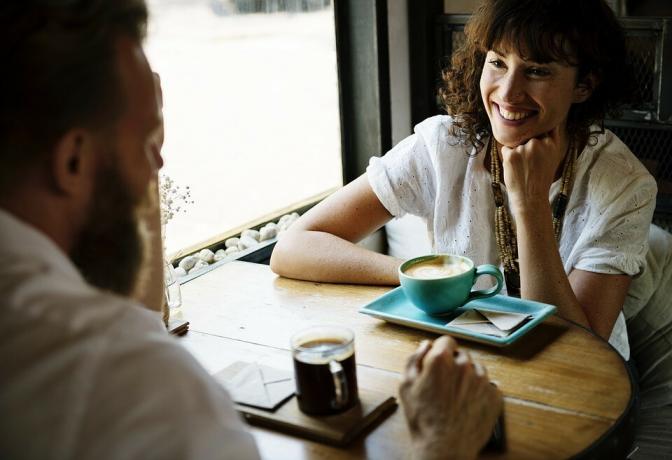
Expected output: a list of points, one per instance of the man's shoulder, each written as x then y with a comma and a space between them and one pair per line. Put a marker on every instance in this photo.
108, 370
68, 310
58, 331
147, 382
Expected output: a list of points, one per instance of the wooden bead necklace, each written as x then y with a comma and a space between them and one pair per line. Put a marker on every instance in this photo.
505, 234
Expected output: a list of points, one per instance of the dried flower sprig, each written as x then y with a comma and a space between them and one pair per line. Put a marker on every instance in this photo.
174, 198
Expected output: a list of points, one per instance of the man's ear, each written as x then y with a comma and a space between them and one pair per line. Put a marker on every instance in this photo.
584, 88
73, 162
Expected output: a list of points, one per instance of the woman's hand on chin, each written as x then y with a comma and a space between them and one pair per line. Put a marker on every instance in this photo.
531, 168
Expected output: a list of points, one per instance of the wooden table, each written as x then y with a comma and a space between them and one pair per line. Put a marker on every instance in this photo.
565, 389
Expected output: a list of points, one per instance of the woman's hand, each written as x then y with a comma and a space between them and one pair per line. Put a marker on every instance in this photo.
531, 168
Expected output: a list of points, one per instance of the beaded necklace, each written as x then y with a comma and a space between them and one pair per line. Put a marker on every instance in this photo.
505, 234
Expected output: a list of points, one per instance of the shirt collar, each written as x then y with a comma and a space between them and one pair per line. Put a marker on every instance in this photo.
22, 240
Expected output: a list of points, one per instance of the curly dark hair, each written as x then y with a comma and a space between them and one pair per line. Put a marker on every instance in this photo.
581, 33
59, 72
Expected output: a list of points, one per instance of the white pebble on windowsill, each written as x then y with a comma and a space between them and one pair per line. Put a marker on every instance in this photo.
284, 219
188, 263
232, 250
231, 242
266, 233
206, 255
219, 255
200, 265
247, 242
254, 234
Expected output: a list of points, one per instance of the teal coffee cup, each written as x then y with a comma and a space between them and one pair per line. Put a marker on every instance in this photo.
438, 284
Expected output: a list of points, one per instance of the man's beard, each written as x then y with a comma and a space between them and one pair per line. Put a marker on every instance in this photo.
110, 249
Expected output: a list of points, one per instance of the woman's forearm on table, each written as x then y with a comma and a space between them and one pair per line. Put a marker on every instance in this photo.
320, 256
542, 275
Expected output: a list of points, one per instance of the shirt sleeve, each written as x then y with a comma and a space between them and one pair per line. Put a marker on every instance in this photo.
152, 400
403, 179
622, 199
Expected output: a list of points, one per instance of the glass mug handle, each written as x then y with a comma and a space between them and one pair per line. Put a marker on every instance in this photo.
340, 385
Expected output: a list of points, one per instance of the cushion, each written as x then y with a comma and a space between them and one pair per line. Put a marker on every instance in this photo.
407, 237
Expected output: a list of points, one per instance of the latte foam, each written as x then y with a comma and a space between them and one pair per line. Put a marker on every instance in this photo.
436, 269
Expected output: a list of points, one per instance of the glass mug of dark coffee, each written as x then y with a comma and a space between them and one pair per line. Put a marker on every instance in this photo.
324, 369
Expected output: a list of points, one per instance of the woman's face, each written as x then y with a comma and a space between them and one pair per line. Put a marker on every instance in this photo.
524, 99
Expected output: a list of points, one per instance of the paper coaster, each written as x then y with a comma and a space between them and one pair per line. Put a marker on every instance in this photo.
337, 430
495, 323
257, 385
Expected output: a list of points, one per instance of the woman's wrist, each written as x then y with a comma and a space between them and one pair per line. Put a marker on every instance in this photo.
530, 207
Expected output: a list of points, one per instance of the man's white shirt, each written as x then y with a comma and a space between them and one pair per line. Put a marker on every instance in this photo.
87, 374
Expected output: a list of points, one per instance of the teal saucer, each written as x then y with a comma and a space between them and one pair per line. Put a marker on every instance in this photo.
395, 307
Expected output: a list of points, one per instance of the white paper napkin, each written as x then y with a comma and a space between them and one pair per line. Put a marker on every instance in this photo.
257, 385
496, 323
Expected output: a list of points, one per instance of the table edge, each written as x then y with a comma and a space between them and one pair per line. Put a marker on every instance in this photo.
624, 425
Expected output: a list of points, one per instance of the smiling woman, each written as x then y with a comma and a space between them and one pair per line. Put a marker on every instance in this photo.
521, 173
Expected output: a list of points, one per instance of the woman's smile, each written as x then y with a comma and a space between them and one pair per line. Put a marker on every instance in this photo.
514, 115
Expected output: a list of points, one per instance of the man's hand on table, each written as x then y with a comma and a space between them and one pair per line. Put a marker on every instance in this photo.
450, 405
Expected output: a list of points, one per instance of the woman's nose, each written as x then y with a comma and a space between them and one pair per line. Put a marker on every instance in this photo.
513, 87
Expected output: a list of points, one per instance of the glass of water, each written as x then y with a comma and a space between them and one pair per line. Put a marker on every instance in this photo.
173, 293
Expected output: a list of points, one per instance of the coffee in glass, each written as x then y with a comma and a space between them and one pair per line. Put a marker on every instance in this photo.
325, 370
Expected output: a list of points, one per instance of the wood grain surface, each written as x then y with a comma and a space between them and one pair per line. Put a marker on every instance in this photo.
564, 387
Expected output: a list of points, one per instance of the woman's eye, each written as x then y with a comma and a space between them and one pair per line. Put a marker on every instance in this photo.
497, 63
538, 72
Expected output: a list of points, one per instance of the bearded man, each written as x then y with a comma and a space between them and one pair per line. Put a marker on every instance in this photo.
86, 370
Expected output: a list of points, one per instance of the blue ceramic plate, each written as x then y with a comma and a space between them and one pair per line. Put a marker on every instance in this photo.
396, 308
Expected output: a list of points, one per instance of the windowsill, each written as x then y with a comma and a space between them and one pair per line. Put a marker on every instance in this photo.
217, 241
259, 254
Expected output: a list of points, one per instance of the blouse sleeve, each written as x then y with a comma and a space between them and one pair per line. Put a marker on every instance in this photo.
403, 179
621, 200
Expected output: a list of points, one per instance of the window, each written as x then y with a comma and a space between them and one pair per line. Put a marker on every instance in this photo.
251, 108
